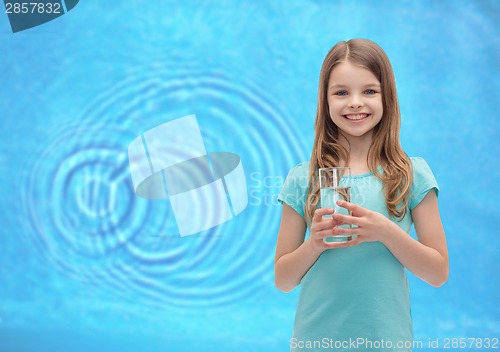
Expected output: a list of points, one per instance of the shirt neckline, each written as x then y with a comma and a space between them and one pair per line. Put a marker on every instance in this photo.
366, 174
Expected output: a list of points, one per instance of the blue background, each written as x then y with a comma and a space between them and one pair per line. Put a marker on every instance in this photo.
84, 262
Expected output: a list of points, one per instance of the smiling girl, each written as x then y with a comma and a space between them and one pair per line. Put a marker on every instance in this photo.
358, 290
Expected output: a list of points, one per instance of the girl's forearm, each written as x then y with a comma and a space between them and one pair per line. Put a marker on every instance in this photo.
424, 262
290, 268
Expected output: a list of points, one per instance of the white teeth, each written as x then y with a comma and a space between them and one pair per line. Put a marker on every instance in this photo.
356, 117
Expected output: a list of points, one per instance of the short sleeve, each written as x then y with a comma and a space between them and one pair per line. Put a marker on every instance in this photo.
294, 191
423, 181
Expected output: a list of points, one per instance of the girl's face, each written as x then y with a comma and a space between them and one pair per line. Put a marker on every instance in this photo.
354, 100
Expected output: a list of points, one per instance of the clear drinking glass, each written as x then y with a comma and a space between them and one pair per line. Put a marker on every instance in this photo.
335, 184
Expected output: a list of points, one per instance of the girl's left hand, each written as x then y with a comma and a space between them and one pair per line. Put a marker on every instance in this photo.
371, 225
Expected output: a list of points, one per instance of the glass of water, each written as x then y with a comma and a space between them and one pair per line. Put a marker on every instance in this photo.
335, 184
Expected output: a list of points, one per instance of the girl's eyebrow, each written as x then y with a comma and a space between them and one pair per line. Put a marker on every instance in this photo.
377, 85
338, 86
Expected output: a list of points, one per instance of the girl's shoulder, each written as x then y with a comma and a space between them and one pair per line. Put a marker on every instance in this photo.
294, 190
423, 181
420, 167
298, 177
417, 160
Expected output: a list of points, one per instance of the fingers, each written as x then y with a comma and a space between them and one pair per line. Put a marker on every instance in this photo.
320, 240
346, 219
358, 210
319, 224
344, 231
321, 243
319, 213
360, 219
323, 229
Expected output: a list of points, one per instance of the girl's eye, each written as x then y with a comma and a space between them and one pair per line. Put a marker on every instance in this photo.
369, 91
341, 93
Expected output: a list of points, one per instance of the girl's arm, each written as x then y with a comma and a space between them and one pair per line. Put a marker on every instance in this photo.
427, 258
294, 256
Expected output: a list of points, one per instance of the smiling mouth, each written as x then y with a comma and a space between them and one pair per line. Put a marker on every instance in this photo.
356, 116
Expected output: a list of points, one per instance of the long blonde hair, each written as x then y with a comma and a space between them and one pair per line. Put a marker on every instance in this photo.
396, 175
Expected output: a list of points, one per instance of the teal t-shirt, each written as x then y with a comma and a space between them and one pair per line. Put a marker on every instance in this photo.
356, 298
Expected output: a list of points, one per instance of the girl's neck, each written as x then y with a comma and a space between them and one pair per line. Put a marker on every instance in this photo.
358, 148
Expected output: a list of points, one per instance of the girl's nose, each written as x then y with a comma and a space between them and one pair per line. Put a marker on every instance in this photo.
355, 102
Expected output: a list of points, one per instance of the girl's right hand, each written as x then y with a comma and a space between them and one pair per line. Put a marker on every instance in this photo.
322, 228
